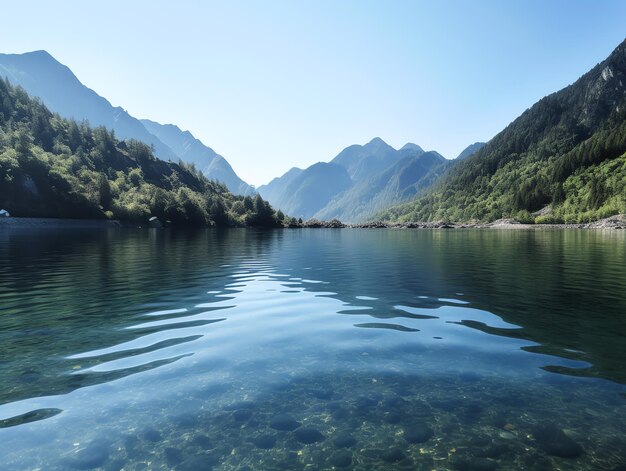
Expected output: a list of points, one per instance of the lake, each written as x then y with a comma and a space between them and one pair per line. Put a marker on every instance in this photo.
312, 349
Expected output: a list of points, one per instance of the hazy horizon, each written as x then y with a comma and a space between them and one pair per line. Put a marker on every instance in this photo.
273, 86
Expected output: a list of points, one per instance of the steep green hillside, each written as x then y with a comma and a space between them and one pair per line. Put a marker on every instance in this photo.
193, 151
42, 76
54, 167
562, 159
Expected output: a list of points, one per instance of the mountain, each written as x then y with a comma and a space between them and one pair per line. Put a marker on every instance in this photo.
564, 159
193, 151
363, 162
311, 189
409, 146
415, 171
470, 150
276, 189
54, 167
378, 176
43, 76
60, 90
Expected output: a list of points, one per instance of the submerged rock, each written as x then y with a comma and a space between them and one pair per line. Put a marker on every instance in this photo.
92, 456
418, 433
553, 441
393, 456
154, 222
493, 451
284, 423
393, 417
173, 456
265, 442
199, 462
344, 441
152, 435
340, 459
185, 420
202, 441
308, 435
364, 402
473, 464
339, 413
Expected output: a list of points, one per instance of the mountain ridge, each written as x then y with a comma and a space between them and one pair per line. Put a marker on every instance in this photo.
561, 160
55, 167
379, 176
191, 150
61, 91
41, 75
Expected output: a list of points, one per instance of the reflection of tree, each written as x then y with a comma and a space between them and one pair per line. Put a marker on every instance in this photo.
74, 291
565, 288
68, 292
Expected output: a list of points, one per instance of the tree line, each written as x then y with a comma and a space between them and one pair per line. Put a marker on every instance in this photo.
56, 167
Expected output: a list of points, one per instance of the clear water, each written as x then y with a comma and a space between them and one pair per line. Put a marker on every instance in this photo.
312, 349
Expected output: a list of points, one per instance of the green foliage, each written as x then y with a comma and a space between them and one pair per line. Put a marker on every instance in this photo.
54, 167
565, 153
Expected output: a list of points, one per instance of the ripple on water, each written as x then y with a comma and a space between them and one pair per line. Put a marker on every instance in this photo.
292, 376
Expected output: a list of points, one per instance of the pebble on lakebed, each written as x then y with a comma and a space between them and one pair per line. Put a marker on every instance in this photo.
265, 442
418, 433
294, 428
554, 442
284, 423
308, 435
91, 456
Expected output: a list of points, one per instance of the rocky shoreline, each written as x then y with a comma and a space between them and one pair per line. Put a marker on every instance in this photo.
57, 223
613, 222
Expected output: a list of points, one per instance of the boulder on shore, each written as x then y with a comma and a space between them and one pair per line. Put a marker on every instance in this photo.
613, 222
316, 223
154, 222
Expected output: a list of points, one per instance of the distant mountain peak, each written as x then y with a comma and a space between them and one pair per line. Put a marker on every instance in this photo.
411, 146
470, 150
41, 53
376, 143
376, 140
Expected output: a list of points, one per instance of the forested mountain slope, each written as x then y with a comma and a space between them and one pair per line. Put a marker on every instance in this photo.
42, 76
54, 167
563, 159
193, 151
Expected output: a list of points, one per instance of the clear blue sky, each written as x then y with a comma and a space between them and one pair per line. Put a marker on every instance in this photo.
274, 84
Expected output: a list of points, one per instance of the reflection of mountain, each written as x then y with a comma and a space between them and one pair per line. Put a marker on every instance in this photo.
564, 289
60, 321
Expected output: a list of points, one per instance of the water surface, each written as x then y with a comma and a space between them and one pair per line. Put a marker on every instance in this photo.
312, 349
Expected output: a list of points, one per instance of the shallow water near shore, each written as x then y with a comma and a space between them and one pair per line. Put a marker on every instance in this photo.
312, 349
